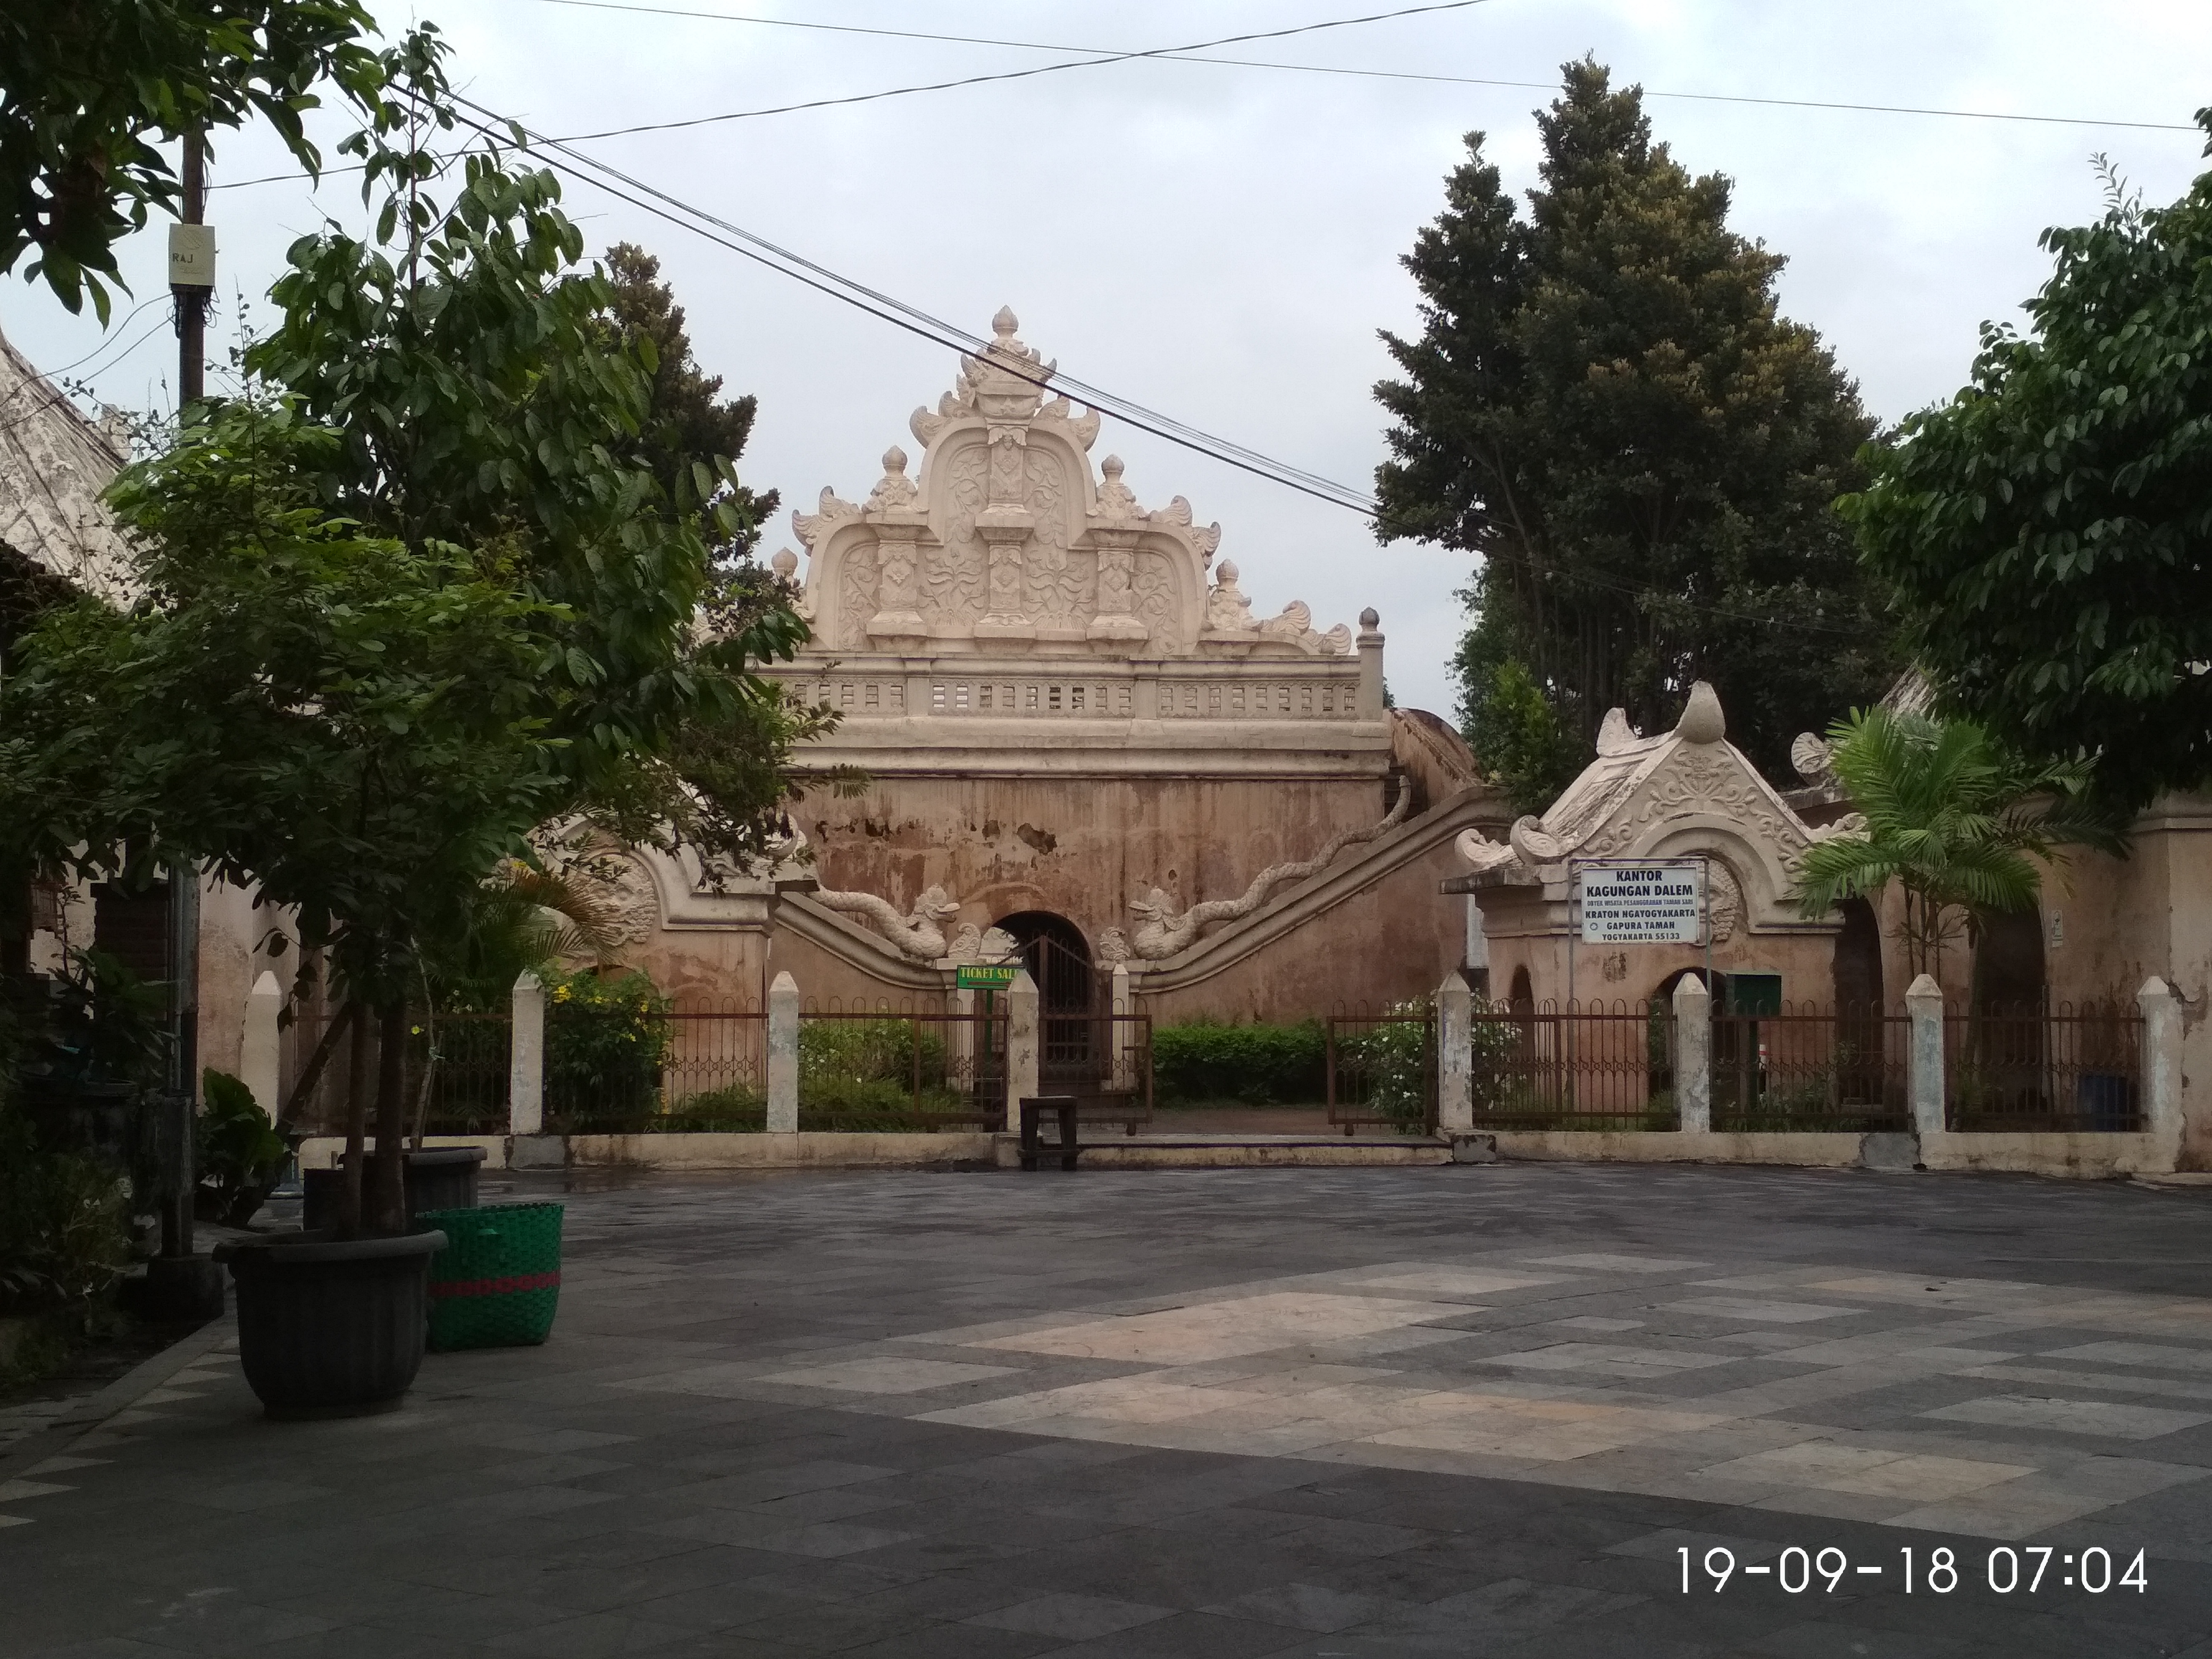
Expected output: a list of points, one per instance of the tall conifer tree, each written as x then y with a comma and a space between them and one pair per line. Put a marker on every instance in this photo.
1606, 407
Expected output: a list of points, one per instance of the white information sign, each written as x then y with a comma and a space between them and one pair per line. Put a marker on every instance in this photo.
1661, 903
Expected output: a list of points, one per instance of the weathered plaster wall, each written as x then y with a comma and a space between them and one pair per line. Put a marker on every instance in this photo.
1080, 847
1390, 941
1634, 973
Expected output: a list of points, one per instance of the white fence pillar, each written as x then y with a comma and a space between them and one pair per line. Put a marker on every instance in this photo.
1021, 1045
1454, 1057
1122, 1033
783, 1055
2161, 1069
1693, 1056
526, 1056
1924, 1003
257, 1055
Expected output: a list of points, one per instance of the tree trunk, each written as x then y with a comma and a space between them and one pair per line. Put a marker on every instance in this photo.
303, 1086
386, 1203
357, 1131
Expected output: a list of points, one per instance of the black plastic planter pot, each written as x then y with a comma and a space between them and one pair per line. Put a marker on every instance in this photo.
328, 1328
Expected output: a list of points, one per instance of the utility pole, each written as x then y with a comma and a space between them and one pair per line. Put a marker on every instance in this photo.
182, 1285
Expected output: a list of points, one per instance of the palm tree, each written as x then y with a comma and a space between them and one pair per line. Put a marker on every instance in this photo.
1951, 816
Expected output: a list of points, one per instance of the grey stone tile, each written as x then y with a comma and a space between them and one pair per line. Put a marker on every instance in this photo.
1071, 1618
1310, 1607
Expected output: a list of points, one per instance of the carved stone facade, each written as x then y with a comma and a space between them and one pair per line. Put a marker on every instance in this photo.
1069, 714
1005, 544
1685, 794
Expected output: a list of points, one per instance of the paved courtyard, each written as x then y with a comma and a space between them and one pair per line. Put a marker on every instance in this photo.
1475, 1410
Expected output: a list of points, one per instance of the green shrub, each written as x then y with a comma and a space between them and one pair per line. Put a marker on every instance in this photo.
237, 1151
1391, 1064
64, 1217
834, 1053
1260, 1065
605, 1038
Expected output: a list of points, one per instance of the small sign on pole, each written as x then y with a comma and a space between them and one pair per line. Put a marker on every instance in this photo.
191, 256
1648, 902
985, 975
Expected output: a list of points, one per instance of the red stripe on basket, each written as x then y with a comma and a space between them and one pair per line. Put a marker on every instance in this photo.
496, 1286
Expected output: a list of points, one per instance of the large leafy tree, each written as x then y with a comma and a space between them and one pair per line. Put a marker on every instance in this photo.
420, 593
2049, 530
1951, 817
687, 415
1606, 406
92, 85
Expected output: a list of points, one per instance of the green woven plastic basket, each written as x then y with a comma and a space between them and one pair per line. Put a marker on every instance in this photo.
497, 1282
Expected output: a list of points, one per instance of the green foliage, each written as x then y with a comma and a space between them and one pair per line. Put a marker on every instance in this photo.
418, 591
1389, 1067
352, 724
685, 417
1518, 736
1952, 817
237, 1150
64, 1223
2049, 530
1607, 408
91, 85
605, 1038
1204, 1061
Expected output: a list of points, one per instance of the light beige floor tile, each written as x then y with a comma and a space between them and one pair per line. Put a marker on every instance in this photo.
1753, 1308
1605, 1262
2089, 1416
2103, 1381
1924, 1479
1226, 1330
1454, 1281
890, 1374
2155, 1356
1607, 1359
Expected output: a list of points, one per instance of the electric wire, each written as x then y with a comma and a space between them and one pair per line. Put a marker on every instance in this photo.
921, 324
1090, 62
1188, 55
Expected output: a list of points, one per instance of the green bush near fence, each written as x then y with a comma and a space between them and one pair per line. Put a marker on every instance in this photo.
1391, 1061
1257, 1064
605, 1039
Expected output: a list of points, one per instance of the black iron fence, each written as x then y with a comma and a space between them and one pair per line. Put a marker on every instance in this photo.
1382, 1068
2064, 1068
1597, 1066
1811, 1068
900, 1068
1105, 1060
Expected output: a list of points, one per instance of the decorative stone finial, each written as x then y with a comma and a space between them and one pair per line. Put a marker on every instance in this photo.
1005, 324
1227, 570
894, 460
1112, 466
1616, 734
785, 563
1810, 755
1702, 719
1370, 620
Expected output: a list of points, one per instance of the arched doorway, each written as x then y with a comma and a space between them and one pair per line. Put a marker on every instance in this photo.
2009, 963
1058, 957
1858, 969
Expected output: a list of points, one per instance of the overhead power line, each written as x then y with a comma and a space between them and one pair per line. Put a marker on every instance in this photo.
1092, 61
1188, 55
637, 193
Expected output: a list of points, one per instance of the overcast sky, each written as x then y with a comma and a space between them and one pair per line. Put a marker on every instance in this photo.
1222, 243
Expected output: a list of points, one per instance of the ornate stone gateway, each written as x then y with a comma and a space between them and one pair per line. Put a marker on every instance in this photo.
1067, 707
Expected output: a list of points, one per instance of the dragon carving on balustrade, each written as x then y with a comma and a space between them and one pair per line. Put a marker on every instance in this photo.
919, 935
1161, 932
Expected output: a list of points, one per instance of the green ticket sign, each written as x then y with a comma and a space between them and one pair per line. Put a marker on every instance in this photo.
985, 975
